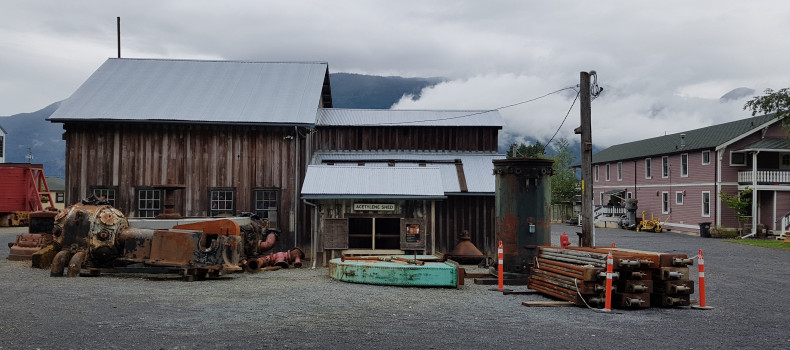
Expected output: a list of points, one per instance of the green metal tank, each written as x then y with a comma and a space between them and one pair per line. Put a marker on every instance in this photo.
523, 210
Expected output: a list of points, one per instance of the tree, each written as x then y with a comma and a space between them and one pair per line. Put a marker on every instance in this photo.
564, 184
741, 203
524, 151
777, 102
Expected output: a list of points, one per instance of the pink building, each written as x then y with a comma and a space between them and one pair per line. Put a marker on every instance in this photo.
678, 177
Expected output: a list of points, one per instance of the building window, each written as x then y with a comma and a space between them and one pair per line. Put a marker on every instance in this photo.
602, 195
665, 202
784, 163
664, 166
648, 174
684, 165
59, 197
620, 171
1, 145
737, 158
706, 203
149, 203
607, 172
679, 197
108, 194
266, 204
222, 201
705, 157
628, 195
596, 173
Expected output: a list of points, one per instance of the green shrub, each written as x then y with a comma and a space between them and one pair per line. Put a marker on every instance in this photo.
722, 232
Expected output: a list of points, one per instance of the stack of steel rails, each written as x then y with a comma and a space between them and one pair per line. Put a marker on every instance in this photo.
642, 278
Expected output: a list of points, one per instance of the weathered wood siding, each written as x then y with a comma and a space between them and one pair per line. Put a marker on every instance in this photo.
127, 156
406, 138
473, 213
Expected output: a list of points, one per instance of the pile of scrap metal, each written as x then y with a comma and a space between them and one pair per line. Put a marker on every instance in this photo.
38, 237
641, 278
92, 237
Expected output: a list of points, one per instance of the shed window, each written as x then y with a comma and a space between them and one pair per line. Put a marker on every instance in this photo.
222, 201
149, 202
266, 204
59, 197
107, 194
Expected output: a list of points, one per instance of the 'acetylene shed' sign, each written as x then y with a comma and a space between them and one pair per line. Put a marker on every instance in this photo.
373, 207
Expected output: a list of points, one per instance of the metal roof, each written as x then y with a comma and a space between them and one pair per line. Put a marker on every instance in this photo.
477, 166
698, 139
399, 117
770, 144
122, 89
333, 181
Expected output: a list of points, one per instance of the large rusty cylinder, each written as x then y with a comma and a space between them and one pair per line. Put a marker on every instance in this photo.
523, 210
258, 237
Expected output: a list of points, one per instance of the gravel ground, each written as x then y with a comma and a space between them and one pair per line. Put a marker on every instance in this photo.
304, 308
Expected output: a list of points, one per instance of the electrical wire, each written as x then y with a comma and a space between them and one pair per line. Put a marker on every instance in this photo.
563, 120
480, 112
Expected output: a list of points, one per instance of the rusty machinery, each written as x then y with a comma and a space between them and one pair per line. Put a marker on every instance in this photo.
39, 236
94, 237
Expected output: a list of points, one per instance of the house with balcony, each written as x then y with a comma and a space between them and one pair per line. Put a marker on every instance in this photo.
679, 177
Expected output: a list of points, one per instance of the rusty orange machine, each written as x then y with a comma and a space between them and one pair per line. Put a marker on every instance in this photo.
39, 236
92, 238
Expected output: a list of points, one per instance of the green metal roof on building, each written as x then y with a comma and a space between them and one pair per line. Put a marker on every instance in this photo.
771, 144
697, 139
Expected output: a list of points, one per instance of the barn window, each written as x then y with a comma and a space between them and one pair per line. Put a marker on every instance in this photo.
108, 194
266, 204
149, 202
222, 201
59, 197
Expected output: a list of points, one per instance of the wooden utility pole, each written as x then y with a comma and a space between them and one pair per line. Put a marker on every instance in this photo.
119, 36
586, 147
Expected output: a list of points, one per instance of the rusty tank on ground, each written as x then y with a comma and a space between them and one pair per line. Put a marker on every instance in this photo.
92, 237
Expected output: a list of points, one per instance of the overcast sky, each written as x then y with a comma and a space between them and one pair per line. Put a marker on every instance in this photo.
663, 64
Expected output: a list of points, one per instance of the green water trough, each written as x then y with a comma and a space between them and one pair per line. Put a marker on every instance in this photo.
397, 273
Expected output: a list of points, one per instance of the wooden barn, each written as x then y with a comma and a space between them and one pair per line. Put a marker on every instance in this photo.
228, 137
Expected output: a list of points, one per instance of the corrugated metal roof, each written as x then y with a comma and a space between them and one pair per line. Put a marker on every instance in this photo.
769, 145
398, 117
698, 139
334, 181
122, 89
477, 166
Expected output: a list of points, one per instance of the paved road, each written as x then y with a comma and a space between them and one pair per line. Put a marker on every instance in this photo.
303, 308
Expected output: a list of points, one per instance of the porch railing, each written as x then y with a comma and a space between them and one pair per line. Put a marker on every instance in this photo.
608, 210
764, 177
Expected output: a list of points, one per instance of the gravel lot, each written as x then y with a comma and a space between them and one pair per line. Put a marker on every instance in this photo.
304, 308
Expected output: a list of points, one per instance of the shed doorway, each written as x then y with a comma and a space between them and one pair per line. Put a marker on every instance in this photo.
374, 233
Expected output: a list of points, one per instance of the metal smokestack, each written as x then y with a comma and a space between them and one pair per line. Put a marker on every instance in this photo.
119, 37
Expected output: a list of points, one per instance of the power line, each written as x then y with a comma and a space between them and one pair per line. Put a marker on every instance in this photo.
563, 120
482, 112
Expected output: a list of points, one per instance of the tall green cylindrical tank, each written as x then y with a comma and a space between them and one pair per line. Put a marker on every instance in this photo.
523, 209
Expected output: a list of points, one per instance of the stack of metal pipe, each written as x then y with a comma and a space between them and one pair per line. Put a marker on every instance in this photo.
641, 278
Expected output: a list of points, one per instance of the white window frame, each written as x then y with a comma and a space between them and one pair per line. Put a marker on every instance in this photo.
705, 203
665, 167
679, 197
738, 164
108, 193
705, 155
684, 165
648, 168
629, 195
149, 202
619, 171
221, 204
665, 208
266, 204
608, 173
596, 173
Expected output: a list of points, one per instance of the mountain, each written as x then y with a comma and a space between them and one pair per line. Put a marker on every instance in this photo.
32, 130
374, 92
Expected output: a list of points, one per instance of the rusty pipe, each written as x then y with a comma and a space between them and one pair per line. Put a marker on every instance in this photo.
296, 256
268, 243
75, 264
59, 263
255, 264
